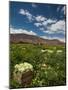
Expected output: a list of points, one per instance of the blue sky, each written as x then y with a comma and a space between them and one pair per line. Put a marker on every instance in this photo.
44, 20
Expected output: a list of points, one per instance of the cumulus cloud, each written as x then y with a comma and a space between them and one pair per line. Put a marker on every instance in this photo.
56, 27
52, 38
44, 24
22, 11
59, 25
41, 28
30, 17
51, 26
26, 13
37, 24
20, 31
40, 18
49, 21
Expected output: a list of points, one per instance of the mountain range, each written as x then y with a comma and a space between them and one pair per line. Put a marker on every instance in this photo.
24, 38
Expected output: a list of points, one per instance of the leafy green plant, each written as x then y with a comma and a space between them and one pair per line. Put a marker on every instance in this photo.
49, 67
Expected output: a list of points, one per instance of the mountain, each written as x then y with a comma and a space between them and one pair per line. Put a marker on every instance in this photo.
24, 38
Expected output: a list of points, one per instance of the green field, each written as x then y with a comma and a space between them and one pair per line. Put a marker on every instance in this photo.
48, 64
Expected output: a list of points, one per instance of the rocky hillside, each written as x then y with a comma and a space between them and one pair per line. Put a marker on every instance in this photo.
23, 38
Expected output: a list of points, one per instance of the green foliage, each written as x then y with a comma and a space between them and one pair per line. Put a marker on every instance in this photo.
50, 75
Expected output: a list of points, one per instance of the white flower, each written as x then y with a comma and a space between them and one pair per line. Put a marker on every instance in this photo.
43, 50
47, 50
59, 51
44, 65
50, 51
16, 66
21, 69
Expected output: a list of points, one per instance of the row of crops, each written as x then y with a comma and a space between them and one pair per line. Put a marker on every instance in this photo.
48, 64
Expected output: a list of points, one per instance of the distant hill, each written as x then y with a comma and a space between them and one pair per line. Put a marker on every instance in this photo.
24, 38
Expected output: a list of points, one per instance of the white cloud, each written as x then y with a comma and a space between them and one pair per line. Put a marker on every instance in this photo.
42, 28
54, 32
31, 17
26, 13
22, 11
59, 25
40, 18
63, 10
19, 31
51, 25
37, 24
52, 38
54, 27
34, 5
49, 32
49, 21
44, 23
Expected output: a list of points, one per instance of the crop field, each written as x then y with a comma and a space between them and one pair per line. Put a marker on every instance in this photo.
49, 64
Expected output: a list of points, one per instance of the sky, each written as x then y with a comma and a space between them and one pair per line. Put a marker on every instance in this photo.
44, 20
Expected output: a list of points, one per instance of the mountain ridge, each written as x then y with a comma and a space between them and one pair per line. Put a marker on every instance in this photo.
24, 38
